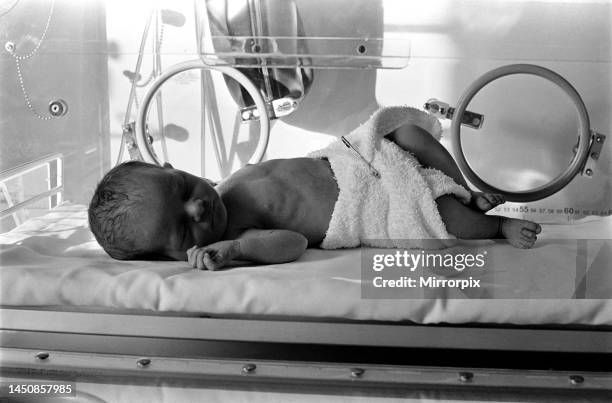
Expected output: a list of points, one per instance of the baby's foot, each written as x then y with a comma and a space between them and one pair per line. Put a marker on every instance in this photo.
485, 201
520, 233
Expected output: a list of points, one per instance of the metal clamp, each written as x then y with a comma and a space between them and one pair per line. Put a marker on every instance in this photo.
443, 110
129, 137
277, 108
595, 147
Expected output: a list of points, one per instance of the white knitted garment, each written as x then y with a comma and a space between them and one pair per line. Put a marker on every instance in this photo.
397, 210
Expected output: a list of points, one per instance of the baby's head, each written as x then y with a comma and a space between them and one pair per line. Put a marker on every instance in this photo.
144, 211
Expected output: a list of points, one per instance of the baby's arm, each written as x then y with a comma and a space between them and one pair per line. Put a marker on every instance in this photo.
258, 246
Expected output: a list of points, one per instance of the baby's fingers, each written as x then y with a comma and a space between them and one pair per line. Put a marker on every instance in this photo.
191, 256
198, 259
205, 258
209, 262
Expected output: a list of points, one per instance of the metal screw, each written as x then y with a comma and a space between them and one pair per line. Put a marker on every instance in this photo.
143, 362
576, 379
466, 376
42, 356
357, 372
249, 368
589, 172
595, 155
599, 139
10, 47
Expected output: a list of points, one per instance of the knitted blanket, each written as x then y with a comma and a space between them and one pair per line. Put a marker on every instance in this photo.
396, 208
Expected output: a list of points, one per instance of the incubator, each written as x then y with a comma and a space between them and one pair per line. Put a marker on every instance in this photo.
522, 92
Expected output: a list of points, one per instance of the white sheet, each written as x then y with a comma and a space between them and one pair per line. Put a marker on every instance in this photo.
53, 260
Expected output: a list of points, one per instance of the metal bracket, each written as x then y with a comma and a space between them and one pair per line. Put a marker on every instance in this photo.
277, 108
595, 147
443, 110
129, 138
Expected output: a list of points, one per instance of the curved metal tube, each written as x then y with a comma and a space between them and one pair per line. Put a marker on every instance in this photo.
143, 112
556, 183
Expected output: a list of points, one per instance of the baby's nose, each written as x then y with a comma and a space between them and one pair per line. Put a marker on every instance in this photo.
195, 209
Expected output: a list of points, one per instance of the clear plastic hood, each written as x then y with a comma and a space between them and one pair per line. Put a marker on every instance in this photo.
74, 74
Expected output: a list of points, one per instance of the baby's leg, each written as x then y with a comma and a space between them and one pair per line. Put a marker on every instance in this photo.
466, 223
431, 153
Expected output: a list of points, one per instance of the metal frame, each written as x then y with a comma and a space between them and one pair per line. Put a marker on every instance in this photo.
141, 370
143, 348
356, 333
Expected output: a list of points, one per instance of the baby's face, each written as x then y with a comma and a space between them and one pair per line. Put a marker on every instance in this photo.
181, 210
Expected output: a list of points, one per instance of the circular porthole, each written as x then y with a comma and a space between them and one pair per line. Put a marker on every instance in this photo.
212, 111
557, 181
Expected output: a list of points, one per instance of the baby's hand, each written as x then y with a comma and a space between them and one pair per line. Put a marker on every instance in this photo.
213, 256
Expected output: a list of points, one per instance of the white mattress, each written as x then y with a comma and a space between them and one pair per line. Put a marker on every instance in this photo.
54, 260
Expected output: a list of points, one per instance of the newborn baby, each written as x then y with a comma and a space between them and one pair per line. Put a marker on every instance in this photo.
396, 186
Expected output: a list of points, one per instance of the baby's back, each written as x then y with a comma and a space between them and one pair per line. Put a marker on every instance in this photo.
296, 194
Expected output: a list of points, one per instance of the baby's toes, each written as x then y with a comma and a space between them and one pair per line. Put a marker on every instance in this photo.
527, 234
486, 201
526, 244
524, 241
484, 204
494, 199
532, 227
498, 199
